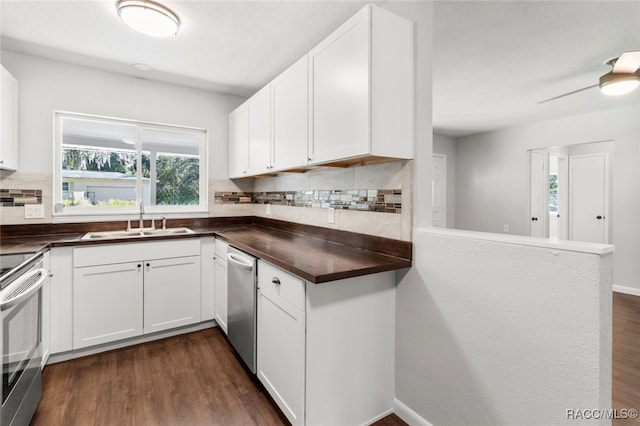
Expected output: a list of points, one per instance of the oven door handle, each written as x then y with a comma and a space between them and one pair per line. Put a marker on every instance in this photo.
16, 294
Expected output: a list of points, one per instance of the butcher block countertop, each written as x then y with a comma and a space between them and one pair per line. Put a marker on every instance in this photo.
315, 254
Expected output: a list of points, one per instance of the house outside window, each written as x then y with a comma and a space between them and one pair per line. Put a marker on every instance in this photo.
107, 166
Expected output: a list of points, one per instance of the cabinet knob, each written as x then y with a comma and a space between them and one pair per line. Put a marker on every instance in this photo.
139, 265
148, 264
534, 219
275, 280
599, 217
244, 172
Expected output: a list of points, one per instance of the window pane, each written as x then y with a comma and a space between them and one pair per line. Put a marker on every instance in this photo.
98, 163
173, 175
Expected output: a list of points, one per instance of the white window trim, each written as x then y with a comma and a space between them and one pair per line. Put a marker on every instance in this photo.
96, 214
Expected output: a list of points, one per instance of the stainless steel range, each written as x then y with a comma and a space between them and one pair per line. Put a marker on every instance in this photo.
21, 279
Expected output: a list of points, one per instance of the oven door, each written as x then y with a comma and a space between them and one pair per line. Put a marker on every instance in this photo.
21, 309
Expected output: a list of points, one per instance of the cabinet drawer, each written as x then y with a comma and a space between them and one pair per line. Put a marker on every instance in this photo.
220, 249
291, 288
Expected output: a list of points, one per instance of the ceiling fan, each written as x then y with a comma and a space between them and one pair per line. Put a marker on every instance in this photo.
623, 78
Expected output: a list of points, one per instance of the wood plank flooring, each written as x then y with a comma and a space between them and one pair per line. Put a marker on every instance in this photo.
626, 356
188, 380
196, 379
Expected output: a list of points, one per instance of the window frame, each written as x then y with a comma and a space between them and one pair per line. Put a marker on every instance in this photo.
90, 214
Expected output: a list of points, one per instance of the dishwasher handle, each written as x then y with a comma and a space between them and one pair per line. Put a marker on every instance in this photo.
239, 261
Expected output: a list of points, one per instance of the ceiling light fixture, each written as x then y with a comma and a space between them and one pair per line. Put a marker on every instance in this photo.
613, 84
148, 17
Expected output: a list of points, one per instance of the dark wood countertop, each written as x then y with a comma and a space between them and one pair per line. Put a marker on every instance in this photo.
315, 254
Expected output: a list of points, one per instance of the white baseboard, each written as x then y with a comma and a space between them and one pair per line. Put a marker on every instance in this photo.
92, 350
407, 414
626, 290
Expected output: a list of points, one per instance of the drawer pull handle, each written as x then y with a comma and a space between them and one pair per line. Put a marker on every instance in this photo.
275, 280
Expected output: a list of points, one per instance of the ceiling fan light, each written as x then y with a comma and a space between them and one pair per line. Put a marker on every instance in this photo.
613, 84
148, 17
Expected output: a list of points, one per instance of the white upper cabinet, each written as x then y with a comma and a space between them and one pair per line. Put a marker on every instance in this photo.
349, 100
362, 89
259, 146
290, 106
8, 122
238, 140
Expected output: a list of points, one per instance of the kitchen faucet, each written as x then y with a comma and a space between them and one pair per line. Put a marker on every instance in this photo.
141, 223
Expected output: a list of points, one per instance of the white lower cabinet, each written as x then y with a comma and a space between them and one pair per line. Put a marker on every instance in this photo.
220, 284
171, 293
46, 311
326, 351
207, 288
61, 300
281, 341
117, 297
107, 303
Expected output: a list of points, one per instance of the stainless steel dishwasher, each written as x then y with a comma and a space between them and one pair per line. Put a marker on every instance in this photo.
241, 305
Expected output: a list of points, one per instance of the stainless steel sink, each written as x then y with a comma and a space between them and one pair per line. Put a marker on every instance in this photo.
136, 233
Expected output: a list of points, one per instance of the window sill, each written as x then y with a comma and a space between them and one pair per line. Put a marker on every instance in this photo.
71, 217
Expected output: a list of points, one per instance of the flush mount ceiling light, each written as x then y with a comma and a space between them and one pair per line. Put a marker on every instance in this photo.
148, 17
619, 84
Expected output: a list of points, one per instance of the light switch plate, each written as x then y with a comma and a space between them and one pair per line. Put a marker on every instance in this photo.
34, 211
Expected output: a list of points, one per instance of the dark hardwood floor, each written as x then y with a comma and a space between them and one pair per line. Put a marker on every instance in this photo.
189, 380
196, 379
626, 356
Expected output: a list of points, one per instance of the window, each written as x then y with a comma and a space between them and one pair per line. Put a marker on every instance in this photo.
106, 166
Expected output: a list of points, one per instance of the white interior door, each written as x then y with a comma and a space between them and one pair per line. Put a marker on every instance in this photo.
589, 198
439, 191
539, 202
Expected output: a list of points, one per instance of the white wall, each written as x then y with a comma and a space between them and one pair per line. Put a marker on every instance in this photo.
446, 145
492, 181
47, 85
502, 333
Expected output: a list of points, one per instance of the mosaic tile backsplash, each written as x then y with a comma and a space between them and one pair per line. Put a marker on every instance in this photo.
20, 197
375, 200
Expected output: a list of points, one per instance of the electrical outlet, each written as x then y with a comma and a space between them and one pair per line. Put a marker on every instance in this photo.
506, 228
332, 215
268, 209
34, 211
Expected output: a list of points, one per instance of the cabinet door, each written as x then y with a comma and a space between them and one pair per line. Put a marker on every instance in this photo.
340, 84
61, 300
281, 353
46, 311
220, 296
290, 111
107, 303
238, 141
171, 293
207, 286
8, 121
260, 131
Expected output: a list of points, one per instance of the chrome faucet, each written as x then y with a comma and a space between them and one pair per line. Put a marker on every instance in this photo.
141, 223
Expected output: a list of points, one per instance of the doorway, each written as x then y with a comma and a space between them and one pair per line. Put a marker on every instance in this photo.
569, 195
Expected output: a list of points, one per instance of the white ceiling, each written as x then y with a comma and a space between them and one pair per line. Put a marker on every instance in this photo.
493, 61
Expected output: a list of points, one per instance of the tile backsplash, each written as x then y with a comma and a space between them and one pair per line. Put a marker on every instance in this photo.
20, 197
374, 200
